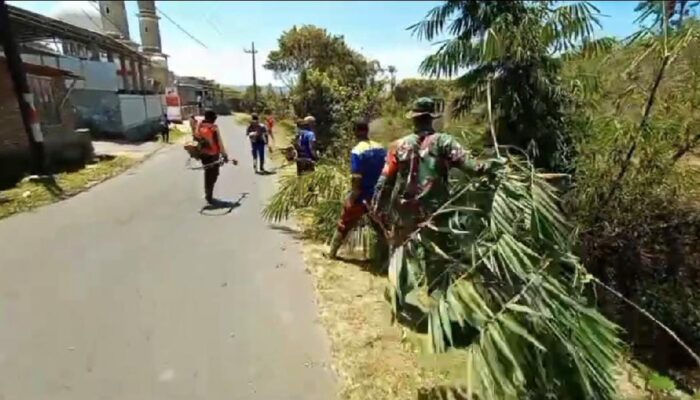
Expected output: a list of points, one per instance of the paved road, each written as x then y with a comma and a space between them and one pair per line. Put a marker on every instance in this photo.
127, 292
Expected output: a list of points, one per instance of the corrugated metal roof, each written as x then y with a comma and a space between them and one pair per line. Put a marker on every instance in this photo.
28, 26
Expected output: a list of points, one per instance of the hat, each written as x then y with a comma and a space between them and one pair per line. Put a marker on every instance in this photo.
309, 119
423, 106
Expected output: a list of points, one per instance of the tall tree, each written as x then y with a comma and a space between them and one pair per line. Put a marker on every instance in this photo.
311, 47
392, 73
513, 46
652, 11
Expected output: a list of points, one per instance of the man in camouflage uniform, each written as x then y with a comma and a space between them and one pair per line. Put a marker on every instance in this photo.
414, 182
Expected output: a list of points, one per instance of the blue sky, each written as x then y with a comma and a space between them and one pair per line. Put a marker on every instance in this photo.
375, 28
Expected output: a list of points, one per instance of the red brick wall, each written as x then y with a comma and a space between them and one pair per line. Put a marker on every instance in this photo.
14, 145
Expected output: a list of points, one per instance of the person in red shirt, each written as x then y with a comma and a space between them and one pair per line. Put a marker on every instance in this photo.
212, 150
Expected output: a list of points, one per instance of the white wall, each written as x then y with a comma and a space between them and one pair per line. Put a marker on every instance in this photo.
31, 59
137, 110
154, 106
100, 75
133, 110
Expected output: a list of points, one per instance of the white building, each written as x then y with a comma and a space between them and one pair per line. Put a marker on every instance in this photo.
122, 94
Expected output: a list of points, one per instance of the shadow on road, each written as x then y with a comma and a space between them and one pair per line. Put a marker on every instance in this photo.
220, 208
295, 233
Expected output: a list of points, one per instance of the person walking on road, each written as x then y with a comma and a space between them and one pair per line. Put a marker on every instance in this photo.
164, 128
259, 137
366, 163
193, 125
212, 152
270, 122
306, 146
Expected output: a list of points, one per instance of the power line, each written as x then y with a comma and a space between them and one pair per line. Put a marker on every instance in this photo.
216, 28
181, 28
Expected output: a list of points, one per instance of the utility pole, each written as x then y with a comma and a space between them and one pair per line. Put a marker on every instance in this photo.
22, 92
252, 51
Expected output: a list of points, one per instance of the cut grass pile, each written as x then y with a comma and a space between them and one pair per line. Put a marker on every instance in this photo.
30, 194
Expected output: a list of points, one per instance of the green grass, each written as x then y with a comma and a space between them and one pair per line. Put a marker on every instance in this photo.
242, 118
29, 195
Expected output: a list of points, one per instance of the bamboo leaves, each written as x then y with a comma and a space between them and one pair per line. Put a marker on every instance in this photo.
507, 295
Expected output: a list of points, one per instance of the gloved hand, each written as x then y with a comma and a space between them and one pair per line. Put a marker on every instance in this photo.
225, 157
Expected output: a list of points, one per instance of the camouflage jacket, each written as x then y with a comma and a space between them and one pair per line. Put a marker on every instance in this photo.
414, 182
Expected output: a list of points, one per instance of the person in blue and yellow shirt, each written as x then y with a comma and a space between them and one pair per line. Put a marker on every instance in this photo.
366, 164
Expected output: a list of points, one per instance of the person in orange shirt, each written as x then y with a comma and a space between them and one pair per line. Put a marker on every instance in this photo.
193, 124
270, 123
212, 152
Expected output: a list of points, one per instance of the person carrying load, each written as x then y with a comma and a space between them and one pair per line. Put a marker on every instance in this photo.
306, 146
211, 152
259, 138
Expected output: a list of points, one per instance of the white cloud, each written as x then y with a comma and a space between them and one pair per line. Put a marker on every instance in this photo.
225, 65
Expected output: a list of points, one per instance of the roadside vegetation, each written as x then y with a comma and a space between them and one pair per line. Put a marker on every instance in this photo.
178, 134
31, 194
616, 120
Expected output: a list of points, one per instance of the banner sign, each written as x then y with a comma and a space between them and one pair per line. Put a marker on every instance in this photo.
172, 102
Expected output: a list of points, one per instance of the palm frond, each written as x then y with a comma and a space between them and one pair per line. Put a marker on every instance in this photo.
596, 47
451, 56
329, 182
568, 24
508, 292
434, 22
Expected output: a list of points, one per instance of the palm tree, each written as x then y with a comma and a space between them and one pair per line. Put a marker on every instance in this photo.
515, 45
392, 72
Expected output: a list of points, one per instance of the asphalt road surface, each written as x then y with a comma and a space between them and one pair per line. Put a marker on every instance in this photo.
128, 292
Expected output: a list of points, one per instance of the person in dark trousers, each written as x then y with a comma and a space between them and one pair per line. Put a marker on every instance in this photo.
259, 137
213, 151
165, 128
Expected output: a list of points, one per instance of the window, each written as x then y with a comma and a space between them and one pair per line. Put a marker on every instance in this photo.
106, 10
45, 99
145, 29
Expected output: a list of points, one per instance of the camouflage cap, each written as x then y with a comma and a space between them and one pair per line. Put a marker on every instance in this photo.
423, 106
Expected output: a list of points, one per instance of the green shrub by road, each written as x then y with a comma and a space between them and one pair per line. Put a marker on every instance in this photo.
30, 194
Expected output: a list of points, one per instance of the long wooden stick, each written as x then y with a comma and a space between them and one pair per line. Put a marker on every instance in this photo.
651, 317
491, 125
